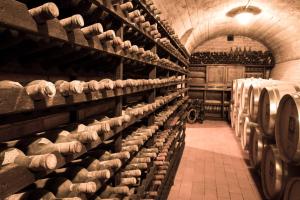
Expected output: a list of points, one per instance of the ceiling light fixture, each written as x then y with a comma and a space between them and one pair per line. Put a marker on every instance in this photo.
244, 14
244, 18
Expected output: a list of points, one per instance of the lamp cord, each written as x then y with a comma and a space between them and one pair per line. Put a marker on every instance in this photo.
248, 4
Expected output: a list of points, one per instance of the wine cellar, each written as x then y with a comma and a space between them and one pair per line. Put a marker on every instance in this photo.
149, 100
93, 100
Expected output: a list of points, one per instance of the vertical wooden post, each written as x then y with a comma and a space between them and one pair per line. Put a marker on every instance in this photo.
152, 94
119, 70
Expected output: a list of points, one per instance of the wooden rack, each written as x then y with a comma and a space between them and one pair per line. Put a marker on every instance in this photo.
47, 51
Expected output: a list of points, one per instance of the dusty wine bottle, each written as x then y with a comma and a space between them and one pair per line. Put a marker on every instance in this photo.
40, 89
44, 12
79, 174
73, 22
92, 30
91, 86
122, 190
34, 163
40, 146
131, 173
66, 88
38, 194
62, 187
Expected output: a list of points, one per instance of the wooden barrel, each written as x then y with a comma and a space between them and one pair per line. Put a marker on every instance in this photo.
272, 173
233, 90
238, 122
244, 98
292, 190
256, 146
254, 94
232, 115
287, 132
248, 130
237, 92
268, 103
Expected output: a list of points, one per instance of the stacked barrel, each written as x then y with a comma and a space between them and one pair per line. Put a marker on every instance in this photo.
265, 116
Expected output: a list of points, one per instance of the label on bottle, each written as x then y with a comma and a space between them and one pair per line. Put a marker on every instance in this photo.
10, 156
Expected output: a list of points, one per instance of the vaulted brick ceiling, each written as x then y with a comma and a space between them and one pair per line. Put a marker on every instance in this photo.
277, 26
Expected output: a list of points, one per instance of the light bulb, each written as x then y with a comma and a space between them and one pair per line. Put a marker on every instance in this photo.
244, 17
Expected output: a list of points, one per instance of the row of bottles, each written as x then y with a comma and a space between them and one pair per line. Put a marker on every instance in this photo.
42, 89
89, 17
167, 26
99, 36
162, 117
164, 162
236, 56
43, 151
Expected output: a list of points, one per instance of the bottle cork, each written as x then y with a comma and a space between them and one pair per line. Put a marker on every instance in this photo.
44, 12
92, 30
40, 89
73, 22
89, 187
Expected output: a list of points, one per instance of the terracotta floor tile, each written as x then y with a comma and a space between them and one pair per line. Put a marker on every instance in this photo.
213, 166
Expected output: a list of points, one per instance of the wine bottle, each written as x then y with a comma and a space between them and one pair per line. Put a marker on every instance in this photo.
139, 19
62, 187
150, 150
162, 172
44, 12
107, 35
91, 86
120, 83
126, 45
132, 142
128, 181
34, 163
133, 14
94, 164
38, 194
141, 160
116, 42
158, 177
144, 154
40, 89
99, 126
145, 25
66, 88
107, 84
133, 136
113, 122
79, 174
133, 49
133, 166
121, 190
131, 173
92, 30
126, 6
84, 137
131, 148
38, 146
73, 22
124, 155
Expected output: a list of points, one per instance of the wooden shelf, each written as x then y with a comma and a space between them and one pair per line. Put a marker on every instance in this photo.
116, 12
28, 177
163, 29
24, 103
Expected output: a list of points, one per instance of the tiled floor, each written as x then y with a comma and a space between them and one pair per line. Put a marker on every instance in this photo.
213, 166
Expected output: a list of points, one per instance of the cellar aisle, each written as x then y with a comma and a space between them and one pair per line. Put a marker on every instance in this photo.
213, 166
